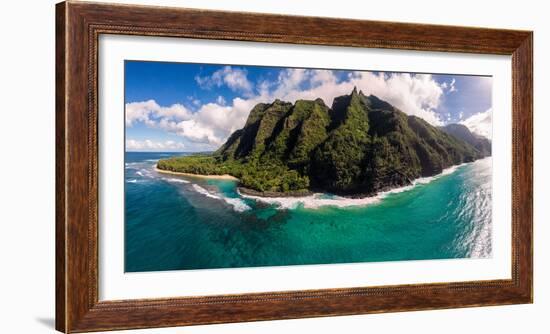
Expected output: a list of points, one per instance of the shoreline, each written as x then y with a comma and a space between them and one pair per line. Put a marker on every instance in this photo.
314, 199
359, 199
273, 194
219, 177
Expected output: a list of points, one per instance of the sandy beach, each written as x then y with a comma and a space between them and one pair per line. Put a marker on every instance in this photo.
218, 177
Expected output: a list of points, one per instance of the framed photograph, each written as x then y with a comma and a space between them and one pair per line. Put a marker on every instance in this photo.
212, 169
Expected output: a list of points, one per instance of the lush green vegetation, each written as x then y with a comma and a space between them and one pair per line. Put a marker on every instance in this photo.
460, 131
338, 161
359, 146
198, 164
255, 175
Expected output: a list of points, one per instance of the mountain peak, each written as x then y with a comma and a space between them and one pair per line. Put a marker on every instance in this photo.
320, 101
280, 102
360, 146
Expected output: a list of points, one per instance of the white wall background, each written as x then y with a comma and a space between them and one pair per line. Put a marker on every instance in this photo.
27, 165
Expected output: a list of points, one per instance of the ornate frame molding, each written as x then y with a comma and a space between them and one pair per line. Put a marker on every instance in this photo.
78, 27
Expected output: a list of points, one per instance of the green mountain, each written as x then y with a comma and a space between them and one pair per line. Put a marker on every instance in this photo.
461, 132
359, 146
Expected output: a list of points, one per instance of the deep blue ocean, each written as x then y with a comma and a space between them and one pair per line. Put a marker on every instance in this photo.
174, 222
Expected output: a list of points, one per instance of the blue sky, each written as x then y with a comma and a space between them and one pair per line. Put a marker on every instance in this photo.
195, 107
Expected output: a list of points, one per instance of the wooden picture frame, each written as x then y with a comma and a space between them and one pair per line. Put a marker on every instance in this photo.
78, 27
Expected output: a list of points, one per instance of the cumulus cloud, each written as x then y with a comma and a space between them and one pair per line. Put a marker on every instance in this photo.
481, 123
149, 145
414, 94
235, 78
418, 95
212, 123
149, 111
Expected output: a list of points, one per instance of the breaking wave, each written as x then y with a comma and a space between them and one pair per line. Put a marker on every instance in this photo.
174, 180
238, 204
318, 200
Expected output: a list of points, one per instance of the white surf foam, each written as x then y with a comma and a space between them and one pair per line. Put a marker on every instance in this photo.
132, 165
314, 201
145, 172
174, 180
318, 200
238, 204
204, 192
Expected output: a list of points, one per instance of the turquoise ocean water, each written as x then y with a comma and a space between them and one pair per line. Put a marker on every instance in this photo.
175, 223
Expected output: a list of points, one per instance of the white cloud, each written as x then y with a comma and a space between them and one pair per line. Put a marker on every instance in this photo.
481, 123
149, 145
418, 95
449, 87
148, 111
452, 87
236, 79
413, 94
196, 132
213, 122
